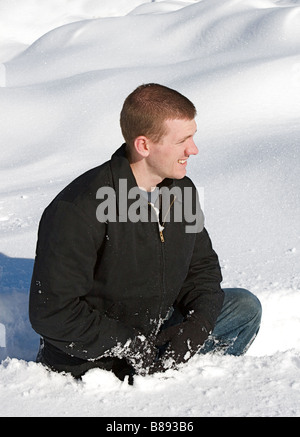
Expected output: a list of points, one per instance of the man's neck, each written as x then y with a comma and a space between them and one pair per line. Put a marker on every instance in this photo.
143, 179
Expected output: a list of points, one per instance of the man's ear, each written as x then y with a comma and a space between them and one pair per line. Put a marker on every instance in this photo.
141, 145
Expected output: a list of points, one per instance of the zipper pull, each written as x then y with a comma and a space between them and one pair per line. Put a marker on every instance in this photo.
160, 229
161, 236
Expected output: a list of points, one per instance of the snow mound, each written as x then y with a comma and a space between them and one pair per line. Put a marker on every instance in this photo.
266, 386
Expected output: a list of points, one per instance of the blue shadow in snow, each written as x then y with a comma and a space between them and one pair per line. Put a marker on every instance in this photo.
20, 339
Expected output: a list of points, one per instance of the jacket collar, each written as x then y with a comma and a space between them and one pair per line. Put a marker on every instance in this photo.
121, 170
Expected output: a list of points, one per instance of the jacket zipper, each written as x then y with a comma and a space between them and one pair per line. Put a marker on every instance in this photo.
162, 239
161, 226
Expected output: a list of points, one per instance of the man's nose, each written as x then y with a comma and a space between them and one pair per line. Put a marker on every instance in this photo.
192, 149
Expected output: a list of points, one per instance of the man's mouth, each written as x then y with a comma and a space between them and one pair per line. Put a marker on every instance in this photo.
182, 161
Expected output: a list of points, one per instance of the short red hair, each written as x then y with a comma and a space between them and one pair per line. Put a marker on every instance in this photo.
146, 109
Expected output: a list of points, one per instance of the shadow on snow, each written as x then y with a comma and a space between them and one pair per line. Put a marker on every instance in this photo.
17, 338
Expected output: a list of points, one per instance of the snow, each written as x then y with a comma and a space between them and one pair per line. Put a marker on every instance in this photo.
65, 69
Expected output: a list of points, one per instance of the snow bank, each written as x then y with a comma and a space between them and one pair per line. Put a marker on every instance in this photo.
22, 22
208, 387
63, 81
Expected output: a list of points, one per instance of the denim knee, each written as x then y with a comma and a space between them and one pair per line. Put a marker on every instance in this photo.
238, 323
243, 305
249, 302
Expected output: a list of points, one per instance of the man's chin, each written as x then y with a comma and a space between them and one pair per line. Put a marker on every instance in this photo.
180, 175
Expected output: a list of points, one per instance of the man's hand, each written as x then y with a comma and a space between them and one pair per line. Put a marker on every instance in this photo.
141, 354
182, 341
171, 347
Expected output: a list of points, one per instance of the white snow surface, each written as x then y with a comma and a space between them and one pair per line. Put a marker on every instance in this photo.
66, 67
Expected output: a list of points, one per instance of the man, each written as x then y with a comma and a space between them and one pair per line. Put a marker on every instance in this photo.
125, 276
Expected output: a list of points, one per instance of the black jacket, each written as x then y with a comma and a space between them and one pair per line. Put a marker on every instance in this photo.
96, 284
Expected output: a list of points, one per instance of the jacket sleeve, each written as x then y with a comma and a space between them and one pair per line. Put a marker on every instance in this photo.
201, 293
63, 275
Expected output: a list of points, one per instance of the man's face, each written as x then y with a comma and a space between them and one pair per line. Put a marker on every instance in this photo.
168, 158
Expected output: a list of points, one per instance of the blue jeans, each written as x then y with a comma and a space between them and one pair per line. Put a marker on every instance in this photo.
236, 326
